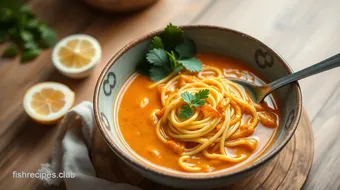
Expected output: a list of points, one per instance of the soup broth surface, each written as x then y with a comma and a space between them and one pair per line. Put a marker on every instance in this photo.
137, 102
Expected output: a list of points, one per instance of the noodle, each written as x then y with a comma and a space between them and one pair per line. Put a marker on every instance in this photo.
212, 127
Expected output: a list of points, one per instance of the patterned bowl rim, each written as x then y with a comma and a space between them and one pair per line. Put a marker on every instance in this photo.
191, 176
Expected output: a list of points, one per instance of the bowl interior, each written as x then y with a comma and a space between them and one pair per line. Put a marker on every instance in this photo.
212, 39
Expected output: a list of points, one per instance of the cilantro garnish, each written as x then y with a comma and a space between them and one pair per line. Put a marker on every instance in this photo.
156, 43
157, 57
196, 100
193, 65
169, 52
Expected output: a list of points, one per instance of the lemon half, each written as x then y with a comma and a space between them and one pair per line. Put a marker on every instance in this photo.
76, 55
47, 102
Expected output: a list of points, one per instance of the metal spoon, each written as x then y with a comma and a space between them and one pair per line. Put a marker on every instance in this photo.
260, 92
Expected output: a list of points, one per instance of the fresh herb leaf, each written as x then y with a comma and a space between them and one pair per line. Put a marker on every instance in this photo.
143, 67
179, 68
171, 36
25, 10
157, 57
186, 112
156, 43
202, 94
21, 27
11, 51
48, 36
169, 52
192, 65
186, 49
30, 45
26, 36
14, 34
33, 23
157, 73
187, 97
29, 55
196, 100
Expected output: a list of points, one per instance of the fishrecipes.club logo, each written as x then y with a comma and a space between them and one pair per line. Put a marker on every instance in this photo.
38, 175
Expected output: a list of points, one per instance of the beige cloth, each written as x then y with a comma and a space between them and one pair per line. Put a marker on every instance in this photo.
71, 154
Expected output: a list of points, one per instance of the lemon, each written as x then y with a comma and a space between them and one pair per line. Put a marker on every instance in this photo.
47, 102
76, 56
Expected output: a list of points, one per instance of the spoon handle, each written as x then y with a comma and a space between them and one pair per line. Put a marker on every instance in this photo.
324, 65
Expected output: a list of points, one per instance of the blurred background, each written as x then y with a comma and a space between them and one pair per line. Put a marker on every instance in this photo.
303, 32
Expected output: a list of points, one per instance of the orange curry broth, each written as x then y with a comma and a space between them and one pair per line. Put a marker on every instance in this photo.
138, 127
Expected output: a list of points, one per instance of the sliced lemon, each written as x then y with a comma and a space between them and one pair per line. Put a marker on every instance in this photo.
76, 55
47, 102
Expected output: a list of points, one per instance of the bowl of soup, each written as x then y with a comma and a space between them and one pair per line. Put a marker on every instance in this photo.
197, 130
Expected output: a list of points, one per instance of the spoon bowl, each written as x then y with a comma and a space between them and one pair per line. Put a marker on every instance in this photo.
258, 93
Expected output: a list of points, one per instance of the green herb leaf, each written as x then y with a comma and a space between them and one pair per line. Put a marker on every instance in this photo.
157, 57
29, 55
48, 36
25, 10
33, 23
202, 94
169, 52
179, 68
171, 36
21, 27
198, 102
156, 43
143, 67
192, 101
11, 51
158, 73
186, 49
30, 45
14, 34
26, 36
187, 97
192, 65
186, 112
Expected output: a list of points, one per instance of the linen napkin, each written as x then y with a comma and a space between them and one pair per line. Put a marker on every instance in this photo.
70, 154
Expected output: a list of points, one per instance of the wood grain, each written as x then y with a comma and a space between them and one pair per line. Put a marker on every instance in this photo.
303, 32
25, 145
325, 170
288, 170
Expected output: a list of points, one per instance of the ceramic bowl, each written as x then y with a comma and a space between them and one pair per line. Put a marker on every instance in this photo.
224, 41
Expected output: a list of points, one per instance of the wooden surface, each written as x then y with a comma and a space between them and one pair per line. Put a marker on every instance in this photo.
288, 170
303, 32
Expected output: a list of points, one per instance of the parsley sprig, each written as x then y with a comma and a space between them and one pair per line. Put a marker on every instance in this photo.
192, 100
169, 52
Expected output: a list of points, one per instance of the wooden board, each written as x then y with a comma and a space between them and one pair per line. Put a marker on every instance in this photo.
289, 170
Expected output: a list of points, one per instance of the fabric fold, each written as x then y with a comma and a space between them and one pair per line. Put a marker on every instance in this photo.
70, 154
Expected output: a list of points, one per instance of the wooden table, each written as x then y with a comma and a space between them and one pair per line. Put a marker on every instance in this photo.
303, 32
